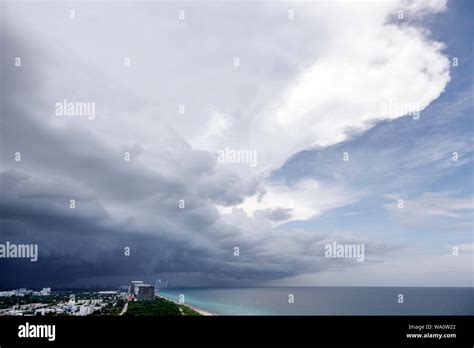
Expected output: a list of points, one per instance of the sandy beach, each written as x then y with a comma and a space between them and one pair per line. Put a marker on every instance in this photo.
199, 310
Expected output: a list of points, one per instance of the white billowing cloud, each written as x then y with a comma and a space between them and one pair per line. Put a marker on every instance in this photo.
367, 64
302, 201
371, 69
331, 97
421, 7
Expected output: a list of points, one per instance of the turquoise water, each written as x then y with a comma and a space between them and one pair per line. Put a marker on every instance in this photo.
328, 300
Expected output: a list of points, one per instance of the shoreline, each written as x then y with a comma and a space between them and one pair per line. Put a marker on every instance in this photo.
199, 310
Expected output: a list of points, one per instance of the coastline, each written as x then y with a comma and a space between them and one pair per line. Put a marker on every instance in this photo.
199, 310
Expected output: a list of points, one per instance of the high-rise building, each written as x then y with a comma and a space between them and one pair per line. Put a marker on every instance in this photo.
45, 292
134, 286
146, 292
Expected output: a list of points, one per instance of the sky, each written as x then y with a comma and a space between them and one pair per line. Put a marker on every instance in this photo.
357, 115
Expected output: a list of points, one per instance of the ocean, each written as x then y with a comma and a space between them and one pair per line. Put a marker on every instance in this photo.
328, 300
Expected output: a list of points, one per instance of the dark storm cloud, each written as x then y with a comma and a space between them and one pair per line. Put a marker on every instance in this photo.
87, 243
